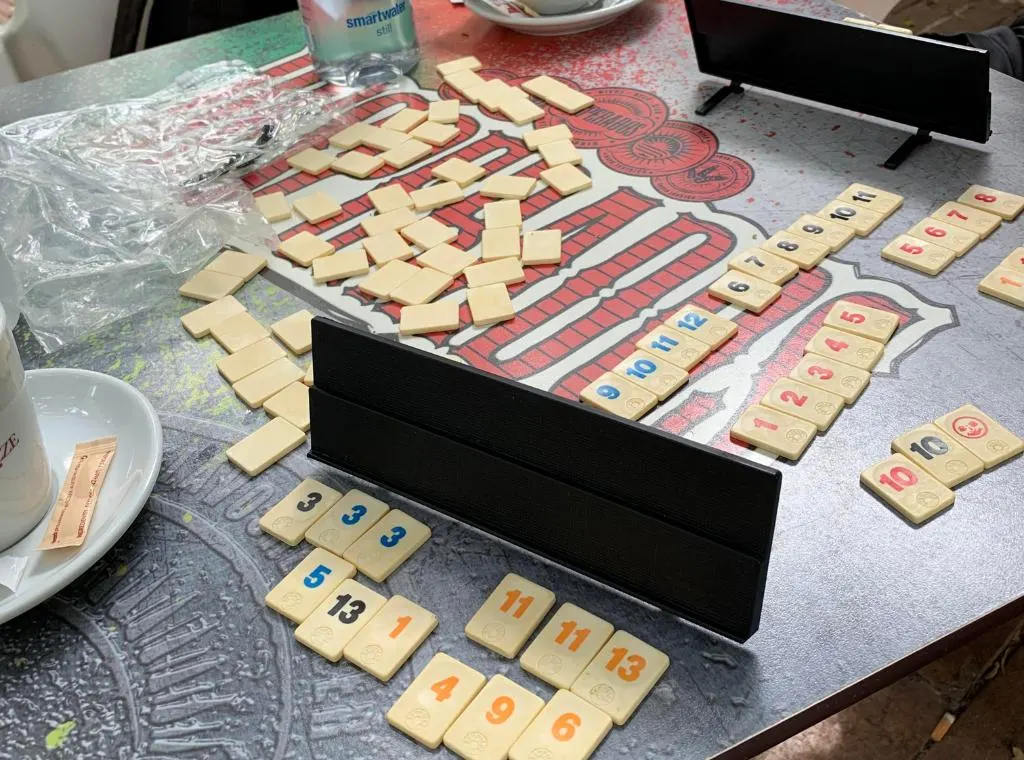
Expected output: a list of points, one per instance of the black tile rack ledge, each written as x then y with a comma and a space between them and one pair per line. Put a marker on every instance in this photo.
678, 524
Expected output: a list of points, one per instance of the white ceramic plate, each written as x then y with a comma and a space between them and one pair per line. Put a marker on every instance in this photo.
75, 405
596, 15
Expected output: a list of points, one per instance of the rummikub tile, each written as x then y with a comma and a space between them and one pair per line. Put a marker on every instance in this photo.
258, 355
423, 287
440, 316
435, 134
765, 266
907, 488
831, 375
621, 675
463, 82
390, 638
273, 207
560, 152
1006, 205
817, 406
542, 247
435, 698
466, 63
1014, 261
509, 615
259, 450
436, 196
199, 321
492, 722
458, 170
500, 243
848, 348
956, 239
502, 214
288, 520
316, 207
264, 383
389, 221
828, 233
1005, 284
566, 729
292, 403
748, 292
860, 220
308, 584
615, 394
802, 251
443, 111
295, 331
871, 198
406, 154
244, 265
341, 265
207, 285
705, 326
865, 321
773, 431
981, 435
505, 186
239, 331
537, 137
982, 223
566, 179
304, 247
387, 545
429, 233
334, 623
387, 246
311, 161
383, 139
489, 304
656, 374
405, 120
939, 454
674, 346
350, 137
520, 110
446, 258
566, 645
346, 520
921, 255
356, 164
389, 197
507, 271
382, 283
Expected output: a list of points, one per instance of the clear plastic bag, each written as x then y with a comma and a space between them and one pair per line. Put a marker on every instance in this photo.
107, 209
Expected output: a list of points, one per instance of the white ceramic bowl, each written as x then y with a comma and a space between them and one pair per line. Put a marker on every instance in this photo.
558, 7
590, 17
75, 405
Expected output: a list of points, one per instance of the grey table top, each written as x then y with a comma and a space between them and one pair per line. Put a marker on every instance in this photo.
166, 649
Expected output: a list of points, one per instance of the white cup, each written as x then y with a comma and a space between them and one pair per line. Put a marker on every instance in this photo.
25, 478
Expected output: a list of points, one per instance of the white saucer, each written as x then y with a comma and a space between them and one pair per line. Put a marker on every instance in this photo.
584, 20
75, 405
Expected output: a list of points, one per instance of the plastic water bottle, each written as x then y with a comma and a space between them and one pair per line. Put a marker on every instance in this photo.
360, 42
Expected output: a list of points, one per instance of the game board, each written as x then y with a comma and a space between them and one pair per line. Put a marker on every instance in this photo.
166, 648
646, 240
